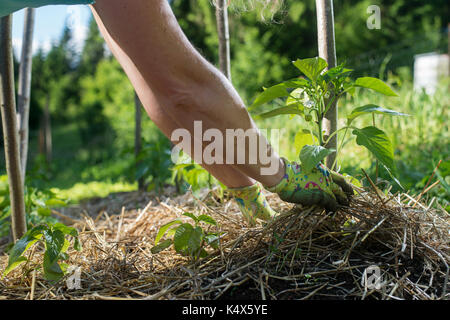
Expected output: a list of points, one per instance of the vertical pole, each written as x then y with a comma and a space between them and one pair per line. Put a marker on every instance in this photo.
48, 131
448, 48
10, 133
137, 136
24, 88
327, 51
224, 37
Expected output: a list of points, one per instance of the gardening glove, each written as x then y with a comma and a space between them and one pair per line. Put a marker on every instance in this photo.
320, 186
252, 203
10, 6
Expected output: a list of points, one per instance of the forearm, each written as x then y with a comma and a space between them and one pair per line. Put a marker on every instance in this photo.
182, 82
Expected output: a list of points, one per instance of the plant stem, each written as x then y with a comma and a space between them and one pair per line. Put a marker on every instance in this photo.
340, 147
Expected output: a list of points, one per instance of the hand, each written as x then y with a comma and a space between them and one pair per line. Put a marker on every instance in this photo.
320, 186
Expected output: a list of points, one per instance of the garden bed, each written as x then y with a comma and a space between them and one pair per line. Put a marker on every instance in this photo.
303, 254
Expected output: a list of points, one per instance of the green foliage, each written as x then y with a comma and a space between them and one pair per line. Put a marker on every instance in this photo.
312, 97
311, 155
418, 141
377, 142
153, 161
38, 206
371, 109
375, 84
54, 239
187, 239
189, 175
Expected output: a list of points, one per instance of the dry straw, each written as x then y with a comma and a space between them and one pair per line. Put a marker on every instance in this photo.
303, 254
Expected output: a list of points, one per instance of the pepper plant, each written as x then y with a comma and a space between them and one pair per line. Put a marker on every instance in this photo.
187, 239
54, 238
311, 95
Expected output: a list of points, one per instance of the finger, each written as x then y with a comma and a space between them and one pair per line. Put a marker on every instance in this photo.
341, 182
311, 197
341, 196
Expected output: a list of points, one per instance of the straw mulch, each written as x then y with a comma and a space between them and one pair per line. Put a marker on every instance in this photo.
303, 254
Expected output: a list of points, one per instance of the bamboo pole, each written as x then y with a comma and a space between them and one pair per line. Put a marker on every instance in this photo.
10, 133
24, 88
138, 136
327, 51
224, 37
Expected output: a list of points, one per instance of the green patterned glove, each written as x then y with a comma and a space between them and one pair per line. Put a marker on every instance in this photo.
320, 186
10, 6
253, 203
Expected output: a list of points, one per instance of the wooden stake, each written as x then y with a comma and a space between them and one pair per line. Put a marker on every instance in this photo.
10, 133
138, 136
24, 88
327, 51
224, 37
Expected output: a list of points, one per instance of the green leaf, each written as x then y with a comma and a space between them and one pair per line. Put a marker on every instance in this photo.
195, 240
54, 243
142, 170
14, 264
164, 229
310, 156
280, 111
52, 270
336, 73
311, 67
213, 240
269, 94
77, 244
296, 83
55, 203
65, 229
63, 256
207, 219
161, 246
187, 239
376, 85
371, 108
65, 246
44, 212
190, 215
377, 142
182, 237
21, 246
294, 99
302, 138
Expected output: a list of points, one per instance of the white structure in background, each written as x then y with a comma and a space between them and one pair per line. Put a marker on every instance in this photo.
428, 69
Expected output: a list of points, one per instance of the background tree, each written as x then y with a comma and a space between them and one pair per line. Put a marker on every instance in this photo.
93, 50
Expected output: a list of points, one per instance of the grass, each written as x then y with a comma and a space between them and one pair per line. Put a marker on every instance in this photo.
77, 171
81, 191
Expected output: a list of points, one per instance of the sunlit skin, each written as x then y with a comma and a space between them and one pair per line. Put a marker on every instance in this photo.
175, 84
